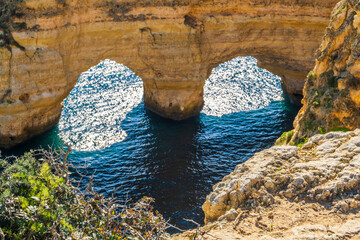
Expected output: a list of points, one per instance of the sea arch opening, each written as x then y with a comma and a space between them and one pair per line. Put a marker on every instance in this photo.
240, 85
100, 100
106, 93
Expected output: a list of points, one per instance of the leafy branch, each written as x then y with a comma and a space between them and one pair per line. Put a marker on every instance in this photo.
39, 200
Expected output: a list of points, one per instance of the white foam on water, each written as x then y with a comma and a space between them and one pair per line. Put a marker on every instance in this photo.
240, 85
93, 112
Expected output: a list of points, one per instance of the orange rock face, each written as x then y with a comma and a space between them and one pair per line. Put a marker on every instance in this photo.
332, 91
171, 45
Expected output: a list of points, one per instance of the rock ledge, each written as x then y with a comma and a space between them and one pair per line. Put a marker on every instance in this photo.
286, 192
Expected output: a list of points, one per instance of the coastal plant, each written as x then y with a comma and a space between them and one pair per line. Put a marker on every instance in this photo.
322, 130
285, 138
301, 142
311, 76
40, 200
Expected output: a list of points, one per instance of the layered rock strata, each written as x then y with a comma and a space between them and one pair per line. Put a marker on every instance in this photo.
332, 90
309, 191
171, 45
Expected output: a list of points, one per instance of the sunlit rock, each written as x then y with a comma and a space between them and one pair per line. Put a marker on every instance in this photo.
332, 90
173, 48
331, 177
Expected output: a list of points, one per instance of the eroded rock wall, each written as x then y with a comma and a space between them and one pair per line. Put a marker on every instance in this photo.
326, 170
171, 45
332, 91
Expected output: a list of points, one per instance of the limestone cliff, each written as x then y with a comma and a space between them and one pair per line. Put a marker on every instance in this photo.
332, 91
171, 45
287, 192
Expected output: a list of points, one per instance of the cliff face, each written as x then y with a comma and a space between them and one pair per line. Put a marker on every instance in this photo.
286, 192
171, 45
332, 91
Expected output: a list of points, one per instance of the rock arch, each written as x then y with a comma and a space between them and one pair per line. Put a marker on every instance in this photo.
171, 45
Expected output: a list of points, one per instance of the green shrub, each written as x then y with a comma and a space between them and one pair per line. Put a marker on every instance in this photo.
301, 142
322, 130
316, 103
311, 76
39, 201
340, 129
285, 138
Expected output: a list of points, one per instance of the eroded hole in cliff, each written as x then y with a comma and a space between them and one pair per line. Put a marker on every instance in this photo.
99, 102
104, 95
240, 85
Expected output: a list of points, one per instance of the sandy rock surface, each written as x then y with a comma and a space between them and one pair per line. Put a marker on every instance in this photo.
286, 192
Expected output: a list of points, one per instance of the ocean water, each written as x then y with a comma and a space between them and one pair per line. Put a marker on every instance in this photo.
141, 154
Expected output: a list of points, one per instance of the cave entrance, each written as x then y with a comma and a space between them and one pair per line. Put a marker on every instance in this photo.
97, 104
240, 85
106, 93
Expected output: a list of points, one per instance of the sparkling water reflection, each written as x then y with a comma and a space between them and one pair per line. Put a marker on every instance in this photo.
240, 85
98, 104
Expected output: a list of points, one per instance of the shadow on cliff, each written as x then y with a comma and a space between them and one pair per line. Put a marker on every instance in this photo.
49, 139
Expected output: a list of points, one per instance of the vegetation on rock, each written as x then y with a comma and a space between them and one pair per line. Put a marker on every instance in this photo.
39, 200
332, 90
285, 138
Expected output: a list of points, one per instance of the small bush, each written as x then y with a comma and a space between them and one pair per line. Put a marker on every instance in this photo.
321, 130
39, 201
316, 103
285, 138
340, 129
301, 142
311, 76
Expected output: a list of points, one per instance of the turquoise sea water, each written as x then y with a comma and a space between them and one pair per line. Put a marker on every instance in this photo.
176, 163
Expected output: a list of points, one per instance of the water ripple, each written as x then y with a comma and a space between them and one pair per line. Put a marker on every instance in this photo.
240, 85
100, 101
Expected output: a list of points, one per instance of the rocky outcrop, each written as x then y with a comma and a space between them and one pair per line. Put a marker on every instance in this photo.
171, 45
325, 170
332, 91
311, 191
287, 192
283, 220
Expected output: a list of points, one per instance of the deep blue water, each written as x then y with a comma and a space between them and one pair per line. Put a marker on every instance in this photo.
177, 163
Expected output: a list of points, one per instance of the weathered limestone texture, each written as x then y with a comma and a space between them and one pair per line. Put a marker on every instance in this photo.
326, 169
332, 91
171, 45
310, 191
283, 220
